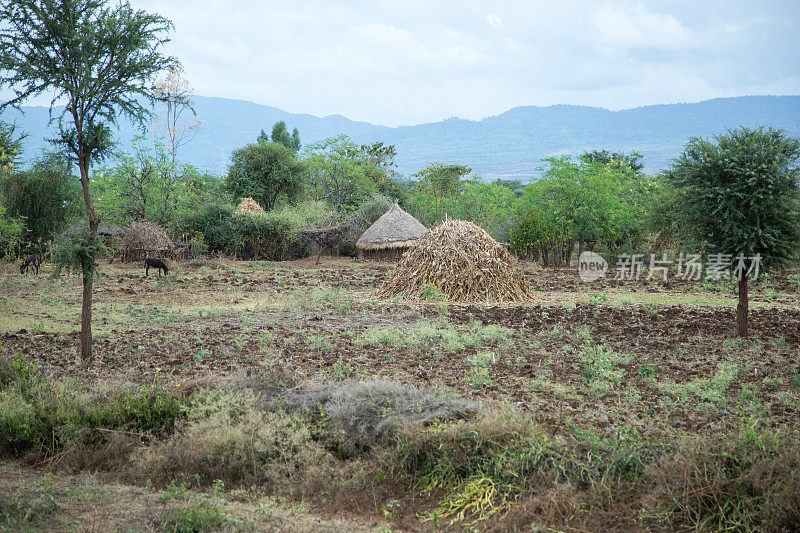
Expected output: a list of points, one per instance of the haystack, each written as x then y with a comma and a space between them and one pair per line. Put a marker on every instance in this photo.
463, 262
144, 238
390, 236
249, 206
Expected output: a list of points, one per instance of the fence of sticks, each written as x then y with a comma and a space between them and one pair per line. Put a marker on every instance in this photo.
463, 262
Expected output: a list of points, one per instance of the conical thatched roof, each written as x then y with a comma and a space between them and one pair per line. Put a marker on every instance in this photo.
104, 230
395, 229
463, 262
249, 206
146, 236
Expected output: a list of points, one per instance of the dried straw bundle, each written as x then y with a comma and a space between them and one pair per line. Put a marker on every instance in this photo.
146, 236
249, 206
463, 262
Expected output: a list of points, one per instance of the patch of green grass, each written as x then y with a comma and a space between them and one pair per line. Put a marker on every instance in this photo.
321, 343
710, 390
597, 365
340, 300
44, 416
646, 368
29, 507
597, 298
197, 517
450, 339
557, 333
341, 371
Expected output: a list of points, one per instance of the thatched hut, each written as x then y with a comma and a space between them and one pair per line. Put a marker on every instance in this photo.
103, 230
145, 239
390, 235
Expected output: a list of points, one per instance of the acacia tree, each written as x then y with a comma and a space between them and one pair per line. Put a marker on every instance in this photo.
438, 183
739, 197
339, 173
97, 59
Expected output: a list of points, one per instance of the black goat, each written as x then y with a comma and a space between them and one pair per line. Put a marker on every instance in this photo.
155, 263
31, 261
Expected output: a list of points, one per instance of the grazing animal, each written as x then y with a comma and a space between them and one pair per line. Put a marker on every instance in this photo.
155, 263
31, 261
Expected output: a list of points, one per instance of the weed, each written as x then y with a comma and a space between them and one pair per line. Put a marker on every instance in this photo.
431, 293
198, 517
626, 299
319, 342
709, 390
557, 333
596, 298
28, 507
647, 368
341, 370
597, 363
340, 300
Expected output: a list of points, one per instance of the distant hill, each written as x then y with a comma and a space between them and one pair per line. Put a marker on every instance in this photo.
509, 145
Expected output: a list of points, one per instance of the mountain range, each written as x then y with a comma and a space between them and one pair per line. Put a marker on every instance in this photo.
510, 145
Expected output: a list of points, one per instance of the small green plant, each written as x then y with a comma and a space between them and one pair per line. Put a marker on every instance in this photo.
597, 298
202, 516
647, 368
319, 342
431, 293
341, 370
557, 333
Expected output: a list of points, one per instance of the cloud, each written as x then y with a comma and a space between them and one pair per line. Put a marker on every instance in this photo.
409, 61
638, 27
495, 21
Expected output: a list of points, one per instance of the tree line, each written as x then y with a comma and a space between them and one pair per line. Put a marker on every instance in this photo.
735, 193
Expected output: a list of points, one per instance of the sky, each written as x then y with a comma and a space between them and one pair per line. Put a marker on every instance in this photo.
402, 62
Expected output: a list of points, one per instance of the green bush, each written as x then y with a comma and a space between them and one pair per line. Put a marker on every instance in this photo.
212, 222
45, 417
12, 231
275, 235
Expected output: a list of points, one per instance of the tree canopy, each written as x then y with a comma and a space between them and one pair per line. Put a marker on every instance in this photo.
267, 171
99, 59
738, 196
46, 195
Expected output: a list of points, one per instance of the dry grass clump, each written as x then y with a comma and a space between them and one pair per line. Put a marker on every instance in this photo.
460, 260
249, 206
359, 415
146, 236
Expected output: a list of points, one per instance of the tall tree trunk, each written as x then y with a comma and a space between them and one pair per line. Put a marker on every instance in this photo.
741, 310
581, 244
88, 274
86, 315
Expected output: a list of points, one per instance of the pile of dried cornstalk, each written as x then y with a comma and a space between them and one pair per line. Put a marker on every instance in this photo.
248, 206
463, 262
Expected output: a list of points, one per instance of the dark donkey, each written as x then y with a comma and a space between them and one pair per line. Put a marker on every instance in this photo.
31, 261
149, 262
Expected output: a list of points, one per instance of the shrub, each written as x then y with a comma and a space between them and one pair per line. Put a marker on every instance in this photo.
227, 438
12, 231
45, 417
274, 235
746, 484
